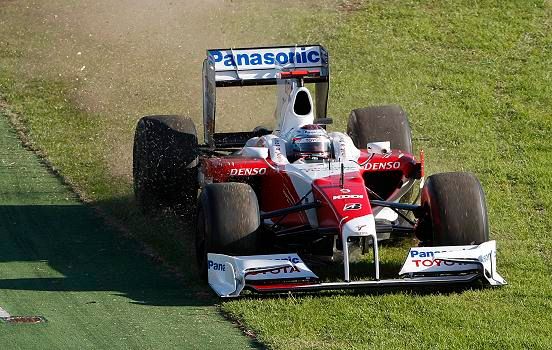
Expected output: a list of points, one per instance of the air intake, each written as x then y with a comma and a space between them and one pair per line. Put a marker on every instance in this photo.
302, 104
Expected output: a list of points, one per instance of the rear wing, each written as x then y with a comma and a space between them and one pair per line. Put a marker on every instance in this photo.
261, 66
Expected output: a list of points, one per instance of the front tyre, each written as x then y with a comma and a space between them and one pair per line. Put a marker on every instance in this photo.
455, 211
227, 222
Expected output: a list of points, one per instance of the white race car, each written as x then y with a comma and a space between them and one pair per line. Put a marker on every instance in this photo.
271, 201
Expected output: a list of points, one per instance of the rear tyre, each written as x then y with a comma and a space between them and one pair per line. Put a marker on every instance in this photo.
455, 212
227, 222
378, 124
165, 159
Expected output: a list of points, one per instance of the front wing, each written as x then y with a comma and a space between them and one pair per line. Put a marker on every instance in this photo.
424, 266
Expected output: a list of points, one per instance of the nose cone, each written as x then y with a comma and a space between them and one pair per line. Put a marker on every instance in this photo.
360, 226
347, 206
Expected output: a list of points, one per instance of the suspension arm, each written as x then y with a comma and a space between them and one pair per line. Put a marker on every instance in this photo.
414, 208
289, 210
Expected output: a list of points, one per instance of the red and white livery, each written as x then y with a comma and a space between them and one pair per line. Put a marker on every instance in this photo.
271, 201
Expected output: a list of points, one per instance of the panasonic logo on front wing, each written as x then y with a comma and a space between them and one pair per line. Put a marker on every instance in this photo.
213, 265
266, 57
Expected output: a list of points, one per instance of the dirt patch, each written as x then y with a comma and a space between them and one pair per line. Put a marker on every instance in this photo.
351, 5
130, 58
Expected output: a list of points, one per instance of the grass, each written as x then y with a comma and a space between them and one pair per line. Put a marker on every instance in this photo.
476, 79
90, 143
59, 260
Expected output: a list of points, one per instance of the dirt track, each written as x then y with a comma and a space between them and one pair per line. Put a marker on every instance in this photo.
129, 58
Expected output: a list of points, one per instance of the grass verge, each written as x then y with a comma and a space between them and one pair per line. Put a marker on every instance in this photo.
476, 80
60, 261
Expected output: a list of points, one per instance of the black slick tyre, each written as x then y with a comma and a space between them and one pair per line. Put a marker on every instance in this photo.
378, 124
455, 211
165, 161
227, 222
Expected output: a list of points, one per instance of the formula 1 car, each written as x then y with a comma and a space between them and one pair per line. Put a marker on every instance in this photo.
271, 201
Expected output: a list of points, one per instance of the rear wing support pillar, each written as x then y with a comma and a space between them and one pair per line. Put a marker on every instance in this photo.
209, 101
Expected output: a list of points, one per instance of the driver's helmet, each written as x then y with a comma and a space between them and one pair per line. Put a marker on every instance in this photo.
310, 142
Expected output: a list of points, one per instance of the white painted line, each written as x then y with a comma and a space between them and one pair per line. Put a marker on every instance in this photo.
4, 313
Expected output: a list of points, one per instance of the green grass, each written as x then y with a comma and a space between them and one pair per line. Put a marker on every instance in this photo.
73, 143
59, 260
93, 151
476, 79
